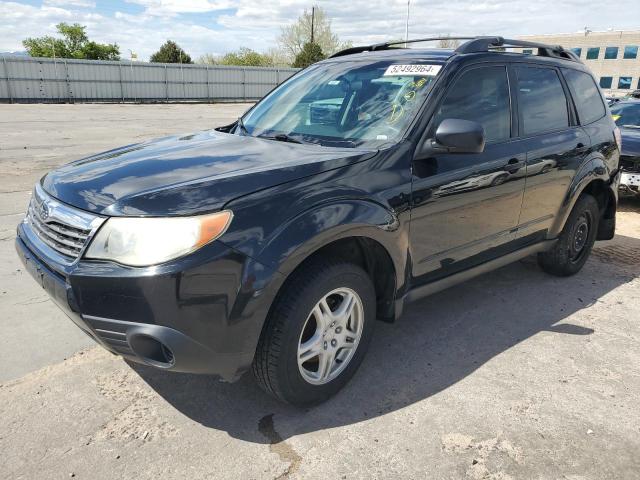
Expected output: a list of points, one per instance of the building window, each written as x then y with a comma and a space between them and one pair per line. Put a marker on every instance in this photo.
527, 51
630, 51
611, 53
606, 82
577, 51
592, 53
624, 83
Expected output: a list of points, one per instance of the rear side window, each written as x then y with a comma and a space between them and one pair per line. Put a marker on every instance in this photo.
585, 95
541, 100
480, 95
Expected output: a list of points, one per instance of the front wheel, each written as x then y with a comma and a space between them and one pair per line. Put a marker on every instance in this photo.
317, 333
574, 245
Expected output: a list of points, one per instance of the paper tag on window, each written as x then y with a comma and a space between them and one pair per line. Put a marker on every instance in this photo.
423, 70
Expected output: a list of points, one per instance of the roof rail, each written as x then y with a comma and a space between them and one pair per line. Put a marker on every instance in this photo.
485, 44
472, 45
387, 45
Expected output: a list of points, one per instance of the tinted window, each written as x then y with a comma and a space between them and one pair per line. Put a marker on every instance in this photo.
606, 82
611, 53
577, 51
541, 100
592, 53
631, 51
480, 95
624, 83
585, 95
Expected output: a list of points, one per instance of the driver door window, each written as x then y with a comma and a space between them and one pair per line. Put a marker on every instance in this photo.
480, 95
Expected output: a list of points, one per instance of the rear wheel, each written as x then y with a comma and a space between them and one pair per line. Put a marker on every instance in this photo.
317, 333
574, 245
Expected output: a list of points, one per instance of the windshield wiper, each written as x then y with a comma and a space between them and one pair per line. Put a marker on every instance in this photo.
281, 137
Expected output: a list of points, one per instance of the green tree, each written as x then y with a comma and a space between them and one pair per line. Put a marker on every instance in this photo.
311, 53
293, 37
170, 52
245, 57
99, 51
73, 44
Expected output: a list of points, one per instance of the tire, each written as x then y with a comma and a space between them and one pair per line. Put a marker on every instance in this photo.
574, 245
292, 325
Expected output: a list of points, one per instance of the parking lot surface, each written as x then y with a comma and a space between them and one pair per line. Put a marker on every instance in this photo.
515, 374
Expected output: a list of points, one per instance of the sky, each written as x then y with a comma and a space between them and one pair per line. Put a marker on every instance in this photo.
220, 26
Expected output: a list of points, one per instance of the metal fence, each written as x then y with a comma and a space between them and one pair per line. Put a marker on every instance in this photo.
40, 80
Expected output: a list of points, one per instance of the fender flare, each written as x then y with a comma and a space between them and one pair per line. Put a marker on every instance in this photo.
325, 223
592, 169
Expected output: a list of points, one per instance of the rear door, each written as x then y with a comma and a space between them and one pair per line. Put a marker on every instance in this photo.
556, 146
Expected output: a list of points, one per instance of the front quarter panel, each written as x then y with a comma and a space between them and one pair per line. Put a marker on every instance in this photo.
283, 225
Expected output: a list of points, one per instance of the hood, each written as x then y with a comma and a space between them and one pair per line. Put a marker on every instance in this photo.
187, 175
630, 142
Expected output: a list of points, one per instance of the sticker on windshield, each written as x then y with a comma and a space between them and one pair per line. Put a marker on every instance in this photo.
424, 70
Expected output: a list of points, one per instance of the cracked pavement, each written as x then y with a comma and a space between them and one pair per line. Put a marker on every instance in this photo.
514, 374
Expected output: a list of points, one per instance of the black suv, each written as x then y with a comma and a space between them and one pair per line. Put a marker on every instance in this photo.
365, 181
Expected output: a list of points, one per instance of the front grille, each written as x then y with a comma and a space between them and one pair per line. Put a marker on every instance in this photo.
630, 164
62, 238
64, 229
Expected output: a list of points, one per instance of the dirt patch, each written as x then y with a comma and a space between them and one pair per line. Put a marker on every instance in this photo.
139, 419
485, 454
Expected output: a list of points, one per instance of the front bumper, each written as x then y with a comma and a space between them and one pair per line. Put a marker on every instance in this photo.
199, 314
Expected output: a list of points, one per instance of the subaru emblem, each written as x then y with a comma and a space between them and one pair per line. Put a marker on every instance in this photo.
44, 211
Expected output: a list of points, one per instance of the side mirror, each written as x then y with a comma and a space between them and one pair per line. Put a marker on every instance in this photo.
459, 136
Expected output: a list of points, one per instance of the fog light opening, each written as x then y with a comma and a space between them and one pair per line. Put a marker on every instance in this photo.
152, 351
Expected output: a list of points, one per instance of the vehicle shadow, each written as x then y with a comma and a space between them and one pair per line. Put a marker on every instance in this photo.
629, 204
438, 342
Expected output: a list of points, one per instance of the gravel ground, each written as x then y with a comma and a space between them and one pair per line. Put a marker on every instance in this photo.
515, 374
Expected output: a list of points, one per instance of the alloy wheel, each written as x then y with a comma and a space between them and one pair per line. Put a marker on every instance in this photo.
330, 336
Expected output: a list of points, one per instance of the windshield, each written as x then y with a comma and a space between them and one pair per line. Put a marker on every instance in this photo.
626, 114
343, 104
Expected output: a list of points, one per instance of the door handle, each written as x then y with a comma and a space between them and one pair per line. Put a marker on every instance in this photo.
513, 165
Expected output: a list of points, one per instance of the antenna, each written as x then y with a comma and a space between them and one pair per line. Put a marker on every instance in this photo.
406, 28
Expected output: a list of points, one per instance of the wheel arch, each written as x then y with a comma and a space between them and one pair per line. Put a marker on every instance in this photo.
359, 231
593, 179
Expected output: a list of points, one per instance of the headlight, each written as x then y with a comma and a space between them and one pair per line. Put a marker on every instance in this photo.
148, 241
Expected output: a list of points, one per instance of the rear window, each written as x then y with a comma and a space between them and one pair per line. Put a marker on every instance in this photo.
541, 100
586, 96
